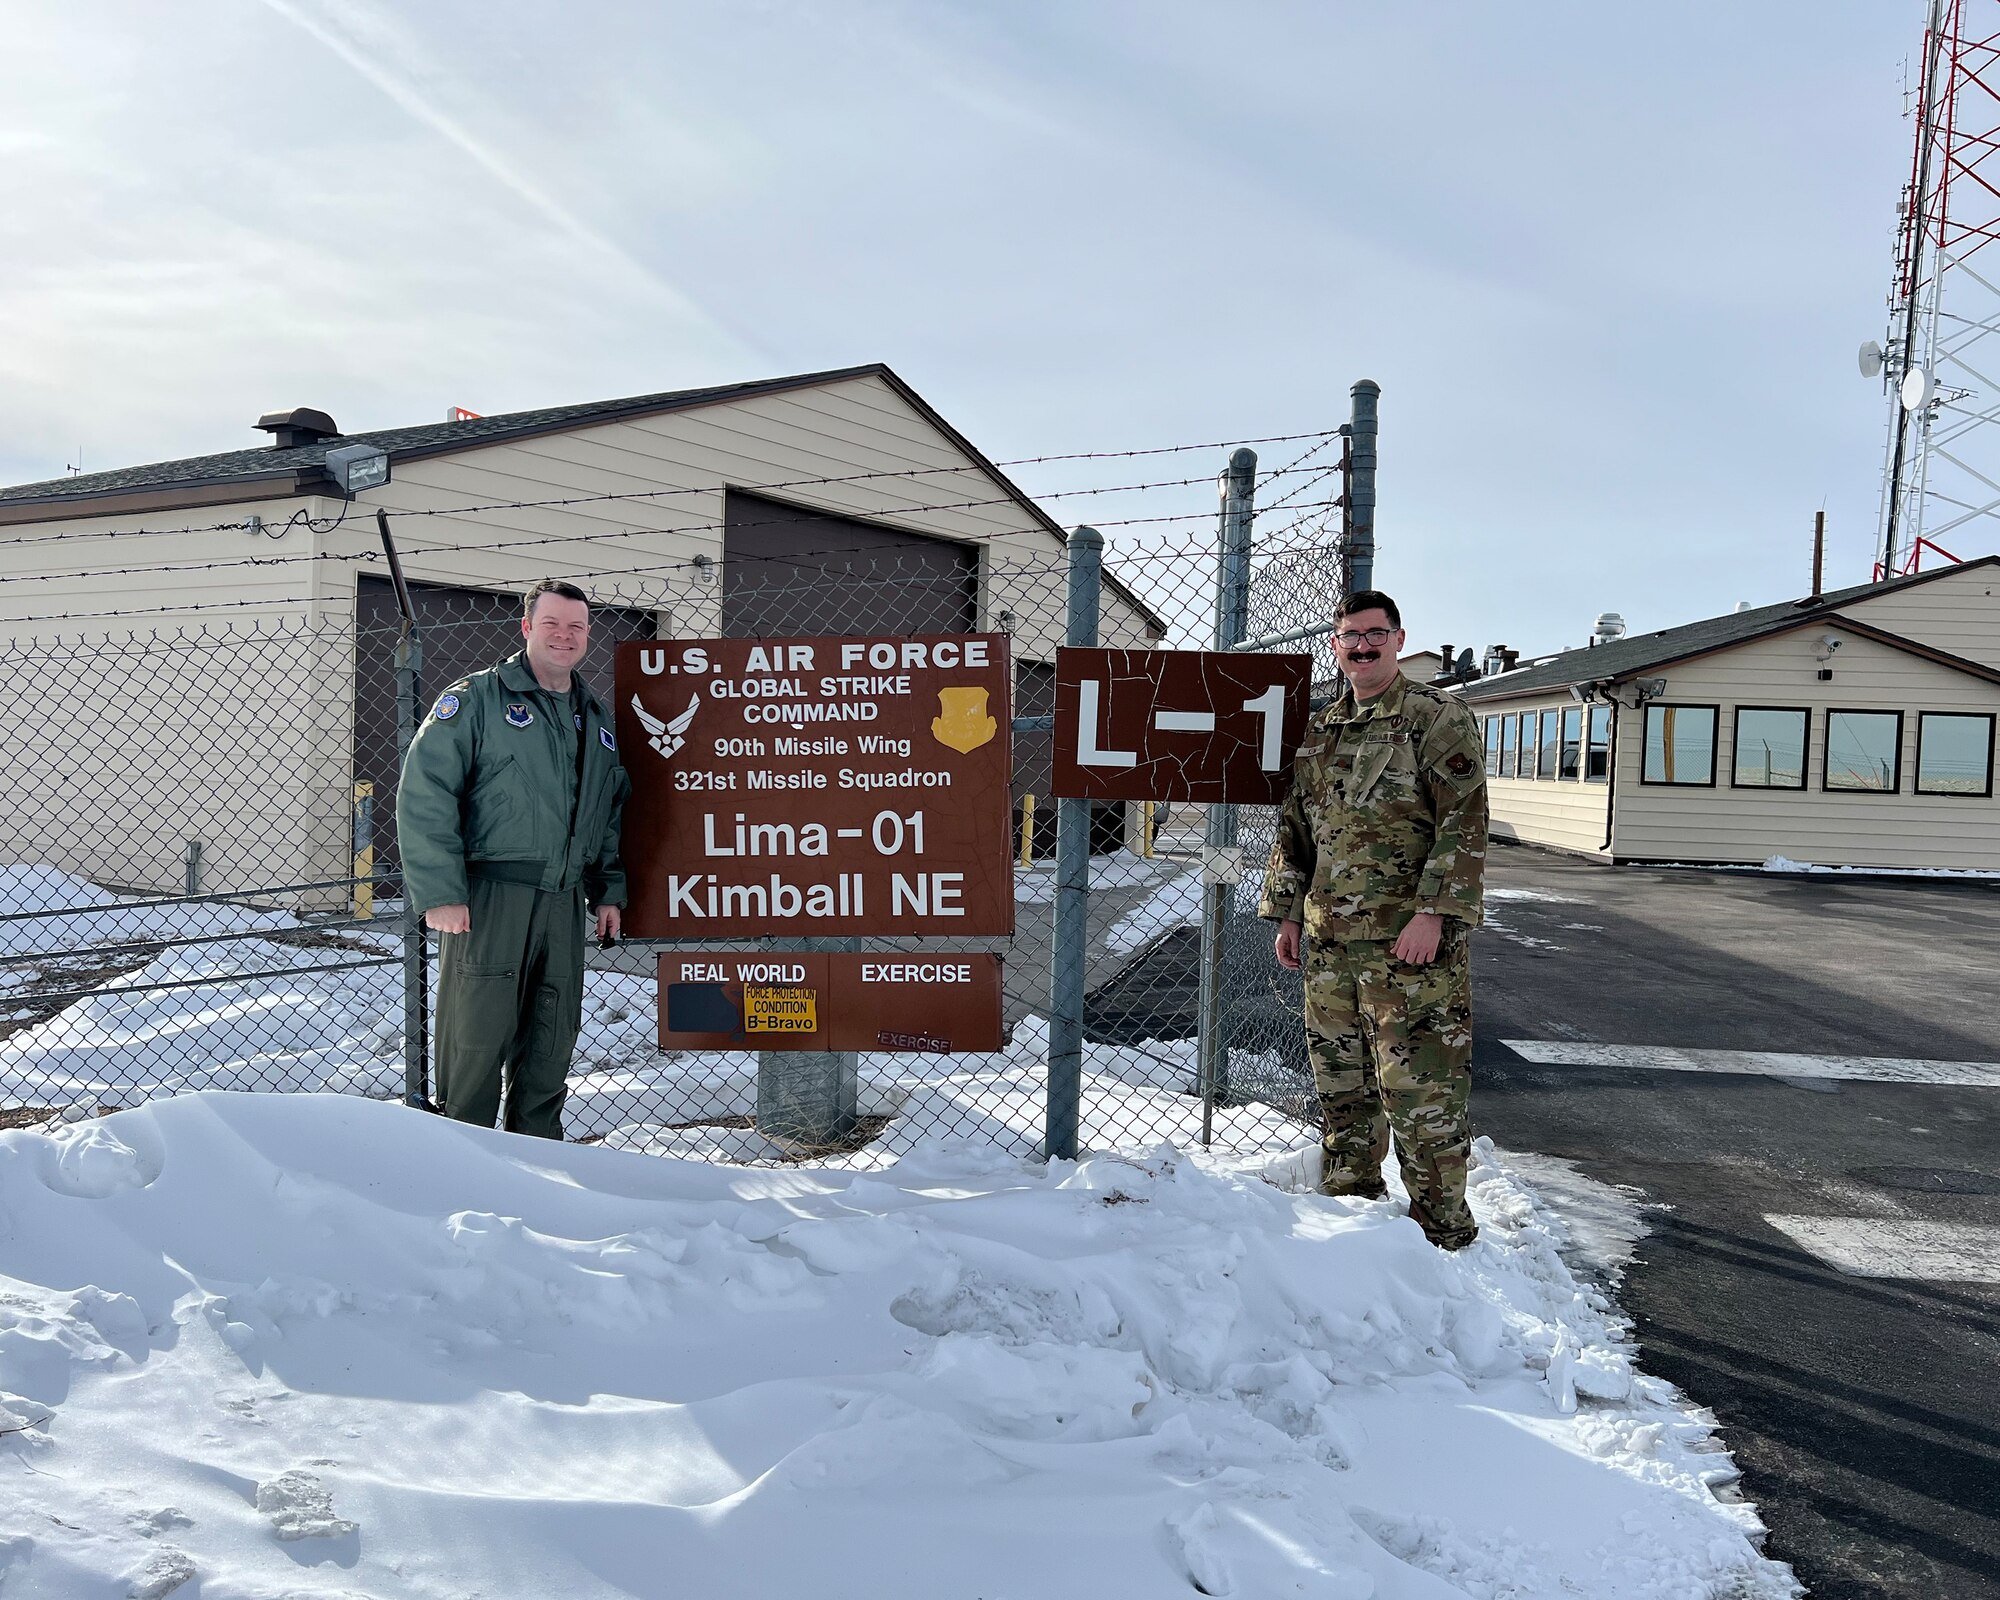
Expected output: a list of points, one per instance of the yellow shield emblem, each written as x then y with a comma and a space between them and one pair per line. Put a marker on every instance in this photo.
962, 722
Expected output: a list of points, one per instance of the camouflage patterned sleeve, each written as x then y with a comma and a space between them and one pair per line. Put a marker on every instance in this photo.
1289, 872
1454, 768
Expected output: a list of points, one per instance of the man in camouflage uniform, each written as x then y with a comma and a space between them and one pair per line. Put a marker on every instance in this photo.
1380, 851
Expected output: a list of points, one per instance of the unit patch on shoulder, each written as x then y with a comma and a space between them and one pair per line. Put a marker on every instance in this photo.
604, 738
446, 708
1460, 765
518, 714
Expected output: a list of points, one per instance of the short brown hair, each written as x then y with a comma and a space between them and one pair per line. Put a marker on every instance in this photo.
555, 586
1368, 600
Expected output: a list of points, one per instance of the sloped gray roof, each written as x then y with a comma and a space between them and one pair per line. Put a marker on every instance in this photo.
309, 461
1636, 653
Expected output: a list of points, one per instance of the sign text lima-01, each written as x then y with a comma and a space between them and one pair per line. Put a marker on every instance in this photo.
817, 786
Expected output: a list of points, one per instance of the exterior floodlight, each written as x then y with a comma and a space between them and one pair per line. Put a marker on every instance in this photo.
1918, 389
356, 467
1871, 359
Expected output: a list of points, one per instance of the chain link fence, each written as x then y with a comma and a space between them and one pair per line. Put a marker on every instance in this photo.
201, 890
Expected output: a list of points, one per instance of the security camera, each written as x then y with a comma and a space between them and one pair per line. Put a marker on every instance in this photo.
1583, 691
1832, 644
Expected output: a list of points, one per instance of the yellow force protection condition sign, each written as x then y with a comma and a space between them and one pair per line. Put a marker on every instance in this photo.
779, 1008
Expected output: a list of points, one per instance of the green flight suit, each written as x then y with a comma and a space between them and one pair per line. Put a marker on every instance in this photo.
510, 804
1386, 817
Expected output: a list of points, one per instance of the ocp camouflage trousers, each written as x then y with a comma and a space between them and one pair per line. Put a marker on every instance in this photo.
1391, 1048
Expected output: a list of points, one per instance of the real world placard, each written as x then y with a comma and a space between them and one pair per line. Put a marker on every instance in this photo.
840, 785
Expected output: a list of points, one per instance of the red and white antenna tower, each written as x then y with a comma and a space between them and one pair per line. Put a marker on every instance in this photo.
1941, 375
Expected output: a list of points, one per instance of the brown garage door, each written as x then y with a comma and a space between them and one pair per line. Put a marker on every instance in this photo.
463, 630
790, 571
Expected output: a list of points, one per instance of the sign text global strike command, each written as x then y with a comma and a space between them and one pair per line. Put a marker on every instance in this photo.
817, 786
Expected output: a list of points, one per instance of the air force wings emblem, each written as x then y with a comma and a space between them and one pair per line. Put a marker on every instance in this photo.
667, 737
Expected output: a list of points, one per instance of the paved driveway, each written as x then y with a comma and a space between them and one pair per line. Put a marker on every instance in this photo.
1802, 1072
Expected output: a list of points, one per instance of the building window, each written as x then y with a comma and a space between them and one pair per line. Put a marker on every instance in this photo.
1545, 752
1680, 745
1770, 748
1572, 741
1864, 751
1507, 727
1597, 757
1954, 753
1524, 757
1492, 747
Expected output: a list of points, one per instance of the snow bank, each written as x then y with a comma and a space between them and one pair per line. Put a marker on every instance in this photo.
316, 1345
95, 916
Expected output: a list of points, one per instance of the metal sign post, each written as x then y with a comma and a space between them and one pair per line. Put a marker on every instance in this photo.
1220, 869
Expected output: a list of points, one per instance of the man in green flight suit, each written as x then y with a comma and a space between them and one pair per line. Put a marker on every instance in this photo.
1378, 861
507, 817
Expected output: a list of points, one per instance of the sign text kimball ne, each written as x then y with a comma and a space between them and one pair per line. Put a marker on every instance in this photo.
817, 786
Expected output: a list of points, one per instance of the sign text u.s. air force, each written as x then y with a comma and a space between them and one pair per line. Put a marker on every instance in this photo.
817, 786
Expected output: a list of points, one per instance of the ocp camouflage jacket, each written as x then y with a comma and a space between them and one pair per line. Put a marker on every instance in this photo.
487, 787
1386, 817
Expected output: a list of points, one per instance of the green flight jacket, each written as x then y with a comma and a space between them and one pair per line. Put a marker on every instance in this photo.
486, 788
1386, 817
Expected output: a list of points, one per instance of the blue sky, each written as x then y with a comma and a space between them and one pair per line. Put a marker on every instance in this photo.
1609, 264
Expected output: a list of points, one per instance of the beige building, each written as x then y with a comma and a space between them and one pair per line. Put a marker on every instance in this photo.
1854, 728
209, 640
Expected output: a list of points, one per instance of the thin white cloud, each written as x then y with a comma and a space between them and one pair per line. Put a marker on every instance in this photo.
387, 57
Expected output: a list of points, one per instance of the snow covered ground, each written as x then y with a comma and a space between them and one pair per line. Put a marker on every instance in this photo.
263, 1346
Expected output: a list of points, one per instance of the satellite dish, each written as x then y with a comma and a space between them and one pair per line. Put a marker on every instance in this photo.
1918, 389
1871, 359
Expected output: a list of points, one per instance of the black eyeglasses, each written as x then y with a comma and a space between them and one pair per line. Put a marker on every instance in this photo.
1370, 636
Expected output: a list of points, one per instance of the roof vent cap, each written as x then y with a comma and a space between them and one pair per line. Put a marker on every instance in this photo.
301, 425
1609, 626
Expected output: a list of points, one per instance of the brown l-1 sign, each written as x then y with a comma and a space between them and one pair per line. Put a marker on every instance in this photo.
817, 786
829, 1000
1178, 724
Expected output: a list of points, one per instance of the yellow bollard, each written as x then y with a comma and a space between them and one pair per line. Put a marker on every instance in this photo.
364, 850
1146, 829
1027, 830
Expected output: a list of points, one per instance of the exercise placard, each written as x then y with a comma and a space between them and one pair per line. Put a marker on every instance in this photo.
830, 1000
817, 786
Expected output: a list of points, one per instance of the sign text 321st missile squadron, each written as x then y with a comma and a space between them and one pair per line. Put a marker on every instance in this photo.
817, 786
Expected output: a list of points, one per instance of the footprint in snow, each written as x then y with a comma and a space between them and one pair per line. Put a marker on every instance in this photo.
301, 1507
163, 1573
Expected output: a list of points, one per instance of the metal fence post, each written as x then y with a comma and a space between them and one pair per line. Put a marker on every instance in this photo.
1072, 913
416, 951
1357, 545
1232, 624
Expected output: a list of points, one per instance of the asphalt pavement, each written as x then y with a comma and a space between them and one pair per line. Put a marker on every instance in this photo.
1850, 1347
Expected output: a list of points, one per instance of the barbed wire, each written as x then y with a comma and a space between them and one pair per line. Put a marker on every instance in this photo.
537, 540
680, 565
243, 524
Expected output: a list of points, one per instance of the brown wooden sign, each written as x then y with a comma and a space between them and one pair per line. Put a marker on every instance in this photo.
829, 1000
1178, 724
817, 786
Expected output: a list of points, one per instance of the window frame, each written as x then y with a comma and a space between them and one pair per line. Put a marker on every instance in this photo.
1490, 740
1591, 713
1826, 750
1509, 727
1524, 747
1992, 721
1564, 743
1544, 722
1805, 751
1714, 743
